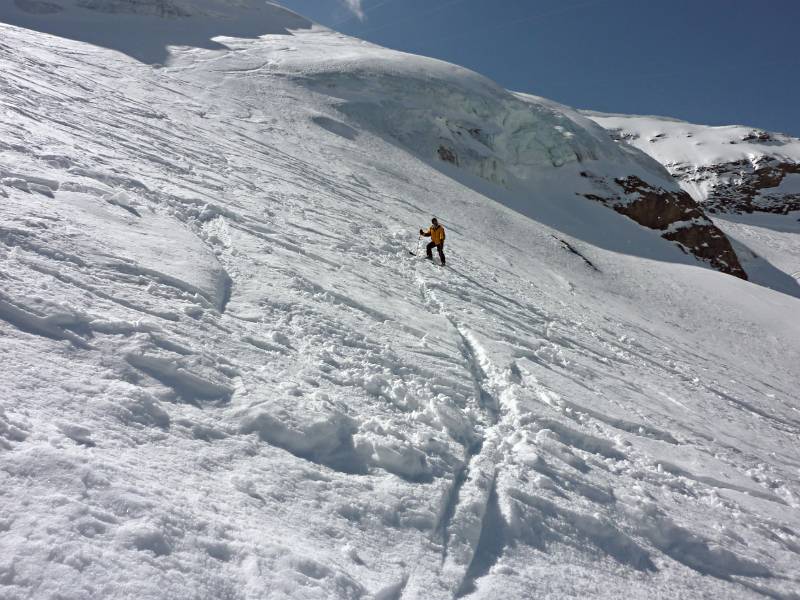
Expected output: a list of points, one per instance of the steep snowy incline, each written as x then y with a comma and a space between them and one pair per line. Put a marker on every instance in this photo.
543, 154
224, 375
440, 111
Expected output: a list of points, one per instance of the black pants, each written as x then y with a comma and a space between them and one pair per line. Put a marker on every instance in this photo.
439, 247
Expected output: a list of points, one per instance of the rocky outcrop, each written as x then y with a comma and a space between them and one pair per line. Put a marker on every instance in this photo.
448, 155
675, 214
160, 8
656, 208
744, 186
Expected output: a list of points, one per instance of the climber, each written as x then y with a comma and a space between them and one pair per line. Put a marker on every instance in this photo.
436, 233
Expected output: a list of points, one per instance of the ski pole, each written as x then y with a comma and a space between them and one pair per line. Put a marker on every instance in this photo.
416, 252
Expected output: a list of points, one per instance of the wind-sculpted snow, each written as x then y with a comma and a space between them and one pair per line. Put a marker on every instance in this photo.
225, 376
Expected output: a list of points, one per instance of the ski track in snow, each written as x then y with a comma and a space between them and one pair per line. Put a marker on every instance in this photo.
482, 496
281, 403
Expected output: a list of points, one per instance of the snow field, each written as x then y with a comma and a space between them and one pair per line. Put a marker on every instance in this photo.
671, 141
231, 380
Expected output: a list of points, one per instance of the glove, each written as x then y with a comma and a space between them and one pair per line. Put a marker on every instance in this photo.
421, 232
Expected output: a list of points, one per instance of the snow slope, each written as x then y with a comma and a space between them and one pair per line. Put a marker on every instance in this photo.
147, 29
728, 169
224, 376
542, 153
738, 173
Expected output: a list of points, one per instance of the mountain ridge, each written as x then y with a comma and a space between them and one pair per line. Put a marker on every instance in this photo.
728, 169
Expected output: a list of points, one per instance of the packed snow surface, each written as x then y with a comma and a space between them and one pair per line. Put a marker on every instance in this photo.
224, 375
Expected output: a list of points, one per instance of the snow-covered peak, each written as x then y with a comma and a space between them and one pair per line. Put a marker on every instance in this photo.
728, 169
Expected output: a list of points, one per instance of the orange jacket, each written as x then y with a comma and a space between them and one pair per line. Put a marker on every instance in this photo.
436, 234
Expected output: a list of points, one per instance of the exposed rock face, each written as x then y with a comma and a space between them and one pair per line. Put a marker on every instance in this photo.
676, 214
744, 186
161, 8
657, 208
448, 155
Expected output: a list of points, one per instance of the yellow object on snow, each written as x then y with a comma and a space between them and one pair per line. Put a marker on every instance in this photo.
436, 233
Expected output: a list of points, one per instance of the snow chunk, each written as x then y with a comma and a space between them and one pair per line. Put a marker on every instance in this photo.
320, 434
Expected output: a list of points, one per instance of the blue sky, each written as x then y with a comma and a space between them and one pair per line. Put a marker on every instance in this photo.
709, 61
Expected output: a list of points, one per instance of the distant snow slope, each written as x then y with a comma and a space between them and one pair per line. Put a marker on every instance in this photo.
727, 169
224, 375
732, 172
146, 29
